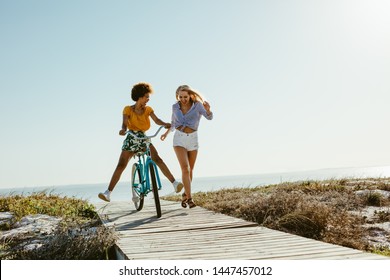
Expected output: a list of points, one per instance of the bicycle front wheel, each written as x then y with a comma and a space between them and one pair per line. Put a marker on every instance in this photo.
136, 187
154, 186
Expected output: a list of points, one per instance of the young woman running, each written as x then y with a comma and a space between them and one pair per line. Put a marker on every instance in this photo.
186, 114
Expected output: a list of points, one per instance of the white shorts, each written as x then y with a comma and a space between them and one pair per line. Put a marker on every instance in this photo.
189, 141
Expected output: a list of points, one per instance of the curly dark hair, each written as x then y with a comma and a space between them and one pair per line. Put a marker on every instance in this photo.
139, 90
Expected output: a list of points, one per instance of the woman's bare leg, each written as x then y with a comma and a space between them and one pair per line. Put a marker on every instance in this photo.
161, 164
121, 166
187, 161
191, 161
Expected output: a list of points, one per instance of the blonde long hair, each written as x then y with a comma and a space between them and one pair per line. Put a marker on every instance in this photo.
195, 95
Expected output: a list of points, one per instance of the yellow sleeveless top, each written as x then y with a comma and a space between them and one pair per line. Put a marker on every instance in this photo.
138, 122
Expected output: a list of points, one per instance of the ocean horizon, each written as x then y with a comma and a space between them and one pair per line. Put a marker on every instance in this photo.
204, 184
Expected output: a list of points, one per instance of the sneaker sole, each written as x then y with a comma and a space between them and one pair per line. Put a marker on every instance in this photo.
103, 197
179, 187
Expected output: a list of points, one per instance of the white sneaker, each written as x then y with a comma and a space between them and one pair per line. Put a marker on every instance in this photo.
178, 186
105, 196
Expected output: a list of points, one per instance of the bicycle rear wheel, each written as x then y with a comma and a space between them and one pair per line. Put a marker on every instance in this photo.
136, 187
153, 182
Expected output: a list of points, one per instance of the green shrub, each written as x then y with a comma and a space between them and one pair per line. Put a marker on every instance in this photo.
80, 235
374, 199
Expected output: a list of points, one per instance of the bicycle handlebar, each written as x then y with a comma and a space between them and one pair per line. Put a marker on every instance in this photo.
146, 137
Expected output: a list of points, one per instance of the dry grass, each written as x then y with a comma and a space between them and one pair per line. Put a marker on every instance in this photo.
79, 236
321, 210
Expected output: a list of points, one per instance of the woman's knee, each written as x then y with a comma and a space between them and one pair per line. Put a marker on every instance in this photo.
186, 169
156, 158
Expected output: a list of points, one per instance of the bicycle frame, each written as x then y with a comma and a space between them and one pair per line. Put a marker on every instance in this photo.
144, 161
145, 177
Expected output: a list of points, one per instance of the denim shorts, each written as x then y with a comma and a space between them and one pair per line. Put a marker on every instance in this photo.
189, 141
133, 144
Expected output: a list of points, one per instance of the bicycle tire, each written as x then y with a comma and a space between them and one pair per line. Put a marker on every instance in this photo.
156, 197
136, 187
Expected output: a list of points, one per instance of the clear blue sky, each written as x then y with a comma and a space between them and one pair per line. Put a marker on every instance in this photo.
294, 85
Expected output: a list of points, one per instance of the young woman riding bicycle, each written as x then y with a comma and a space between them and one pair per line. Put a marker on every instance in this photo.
137, 119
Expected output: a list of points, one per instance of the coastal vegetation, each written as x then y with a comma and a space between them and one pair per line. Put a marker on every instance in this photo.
349, 212
73, 230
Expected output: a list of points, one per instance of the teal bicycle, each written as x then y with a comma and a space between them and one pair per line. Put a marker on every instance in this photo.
144, 176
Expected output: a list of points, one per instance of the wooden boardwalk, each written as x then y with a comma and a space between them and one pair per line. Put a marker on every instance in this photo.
202, 234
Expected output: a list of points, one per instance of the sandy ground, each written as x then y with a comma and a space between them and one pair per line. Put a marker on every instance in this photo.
379, 232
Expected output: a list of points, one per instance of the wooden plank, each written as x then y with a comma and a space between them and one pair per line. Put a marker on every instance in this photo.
201, 234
